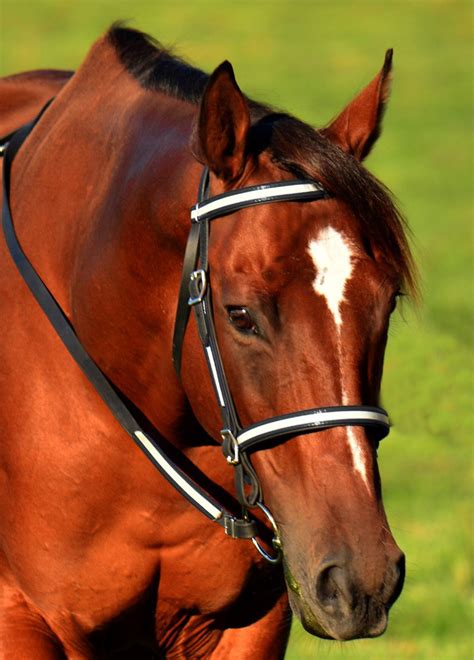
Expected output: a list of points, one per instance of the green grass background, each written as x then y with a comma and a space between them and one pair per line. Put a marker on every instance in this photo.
310, 57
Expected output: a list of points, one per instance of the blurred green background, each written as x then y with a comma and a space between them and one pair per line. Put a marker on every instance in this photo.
310, 57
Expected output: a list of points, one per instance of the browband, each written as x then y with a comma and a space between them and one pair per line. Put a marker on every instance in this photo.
280, 191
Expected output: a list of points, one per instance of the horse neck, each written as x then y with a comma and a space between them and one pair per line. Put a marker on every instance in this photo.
106, 180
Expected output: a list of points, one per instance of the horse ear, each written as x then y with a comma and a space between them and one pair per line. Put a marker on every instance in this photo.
359, 125
223, 125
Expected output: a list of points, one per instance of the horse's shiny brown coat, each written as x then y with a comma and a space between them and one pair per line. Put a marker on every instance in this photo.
98, 553
23, 95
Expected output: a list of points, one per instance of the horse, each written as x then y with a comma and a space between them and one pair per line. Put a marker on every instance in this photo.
101, 555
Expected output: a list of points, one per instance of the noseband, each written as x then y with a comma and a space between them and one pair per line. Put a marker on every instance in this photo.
195, 293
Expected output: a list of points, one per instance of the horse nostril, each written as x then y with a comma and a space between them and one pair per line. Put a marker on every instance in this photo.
332, 590
398, 580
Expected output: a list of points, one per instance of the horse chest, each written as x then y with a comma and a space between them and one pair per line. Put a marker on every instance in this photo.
114, 536
203, 591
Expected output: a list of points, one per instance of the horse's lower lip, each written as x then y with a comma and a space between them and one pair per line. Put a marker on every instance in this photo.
380, 627
315, 629
308, 620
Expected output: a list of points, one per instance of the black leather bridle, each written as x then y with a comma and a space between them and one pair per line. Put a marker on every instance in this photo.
195, 292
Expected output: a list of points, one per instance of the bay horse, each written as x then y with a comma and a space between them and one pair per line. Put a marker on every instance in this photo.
101, 556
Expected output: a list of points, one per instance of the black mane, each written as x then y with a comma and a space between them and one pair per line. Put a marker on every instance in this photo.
294, 146
154, 67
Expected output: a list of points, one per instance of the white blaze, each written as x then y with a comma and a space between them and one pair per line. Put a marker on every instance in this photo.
331, 255
356, 450
357, 455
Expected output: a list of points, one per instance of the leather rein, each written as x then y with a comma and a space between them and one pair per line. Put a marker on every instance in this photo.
195, 293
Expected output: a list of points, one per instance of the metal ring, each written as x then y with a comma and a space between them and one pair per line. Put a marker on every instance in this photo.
276, 540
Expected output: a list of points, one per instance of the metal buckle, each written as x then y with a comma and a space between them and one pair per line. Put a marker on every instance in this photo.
197, 287
239, 528
230, 447
276, 540
229, 526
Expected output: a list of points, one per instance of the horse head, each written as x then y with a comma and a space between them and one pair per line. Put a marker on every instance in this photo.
302, 296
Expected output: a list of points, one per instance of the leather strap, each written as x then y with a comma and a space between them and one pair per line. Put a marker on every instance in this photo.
189, 264
235, 527
314, 419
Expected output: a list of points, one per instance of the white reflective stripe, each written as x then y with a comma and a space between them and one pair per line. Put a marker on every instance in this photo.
176, 477
315, 418
210, 357
253, 195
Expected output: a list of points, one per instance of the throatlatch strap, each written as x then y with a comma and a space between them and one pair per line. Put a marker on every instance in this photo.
189, 264
183, 309
235, 527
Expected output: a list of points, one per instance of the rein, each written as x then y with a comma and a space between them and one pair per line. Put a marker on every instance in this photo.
195, 292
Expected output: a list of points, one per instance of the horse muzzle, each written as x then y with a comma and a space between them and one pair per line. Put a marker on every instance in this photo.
336, 605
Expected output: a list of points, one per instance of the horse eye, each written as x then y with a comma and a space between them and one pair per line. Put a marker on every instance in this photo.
398, 294
241, 319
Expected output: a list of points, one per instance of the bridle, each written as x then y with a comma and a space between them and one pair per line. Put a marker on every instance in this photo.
195, 293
